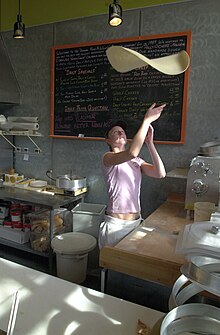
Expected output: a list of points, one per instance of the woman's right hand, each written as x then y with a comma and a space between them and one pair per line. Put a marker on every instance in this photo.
153, 113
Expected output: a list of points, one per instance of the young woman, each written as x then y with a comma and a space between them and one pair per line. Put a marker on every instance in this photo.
122, 170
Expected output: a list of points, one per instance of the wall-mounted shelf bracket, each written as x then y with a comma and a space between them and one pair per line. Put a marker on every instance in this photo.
28, 134
7, 140
35, 144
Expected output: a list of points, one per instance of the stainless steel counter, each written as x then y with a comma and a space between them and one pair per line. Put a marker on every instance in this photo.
45, 200
48, 201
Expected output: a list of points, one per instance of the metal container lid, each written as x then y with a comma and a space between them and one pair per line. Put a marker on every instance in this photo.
210, 149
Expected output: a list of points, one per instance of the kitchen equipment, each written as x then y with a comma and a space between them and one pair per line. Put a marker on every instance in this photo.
70, 182
203, 176
199, 274
210, 149
194, 318
67, 184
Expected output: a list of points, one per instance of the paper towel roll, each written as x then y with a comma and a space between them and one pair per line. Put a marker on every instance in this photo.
19, 126
22, 119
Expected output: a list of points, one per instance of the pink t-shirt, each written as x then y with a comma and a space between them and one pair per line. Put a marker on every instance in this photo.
123, 183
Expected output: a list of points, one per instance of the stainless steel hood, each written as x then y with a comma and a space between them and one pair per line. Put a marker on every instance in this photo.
9, 88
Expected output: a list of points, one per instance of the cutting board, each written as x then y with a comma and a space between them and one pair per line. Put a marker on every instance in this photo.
22, 187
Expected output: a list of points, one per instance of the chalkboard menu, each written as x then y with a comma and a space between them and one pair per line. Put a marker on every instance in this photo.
88, 94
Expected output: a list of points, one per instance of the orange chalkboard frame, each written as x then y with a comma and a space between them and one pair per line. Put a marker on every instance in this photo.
188, 35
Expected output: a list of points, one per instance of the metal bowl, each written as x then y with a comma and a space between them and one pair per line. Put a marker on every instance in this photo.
70, 183
192, 318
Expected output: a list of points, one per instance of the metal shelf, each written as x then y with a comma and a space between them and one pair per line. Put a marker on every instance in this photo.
27, 133
20, 132
24, 247
43, 200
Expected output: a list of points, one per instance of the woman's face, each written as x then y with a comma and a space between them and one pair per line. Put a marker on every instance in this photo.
117, 137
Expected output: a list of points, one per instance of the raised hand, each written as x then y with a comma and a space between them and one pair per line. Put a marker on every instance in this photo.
153, 113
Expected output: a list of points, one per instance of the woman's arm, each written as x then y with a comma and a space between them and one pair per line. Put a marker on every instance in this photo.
157, 169
114, 158
153, 113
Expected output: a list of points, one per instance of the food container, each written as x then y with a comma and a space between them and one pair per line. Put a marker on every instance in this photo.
40, 227
39, 242
70, 182
3, 211
40, 221
17, 236
11, 178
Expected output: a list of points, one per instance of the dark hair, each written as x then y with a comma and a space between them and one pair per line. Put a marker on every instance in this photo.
118, 123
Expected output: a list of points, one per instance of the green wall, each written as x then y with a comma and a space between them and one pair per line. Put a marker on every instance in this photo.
37, 12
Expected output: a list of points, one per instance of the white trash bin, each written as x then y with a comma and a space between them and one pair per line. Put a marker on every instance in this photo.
71, 255
87, 218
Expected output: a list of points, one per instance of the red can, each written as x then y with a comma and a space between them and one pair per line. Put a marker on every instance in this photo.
17, 225
15, 215
7, 224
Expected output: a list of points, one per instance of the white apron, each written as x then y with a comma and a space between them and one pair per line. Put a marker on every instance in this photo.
112, 230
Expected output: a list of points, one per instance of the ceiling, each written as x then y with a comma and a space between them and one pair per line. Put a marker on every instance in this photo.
37, 12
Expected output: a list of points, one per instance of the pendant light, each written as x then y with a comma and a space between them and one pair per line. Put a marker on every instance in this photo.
19, 26
115, 14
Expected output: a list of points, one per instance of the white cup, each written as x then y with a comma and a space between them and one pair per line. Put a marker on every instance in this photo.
203, 211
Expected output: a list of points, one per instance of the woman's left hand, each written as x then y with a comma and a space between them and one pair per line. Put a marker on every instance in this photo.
150, 135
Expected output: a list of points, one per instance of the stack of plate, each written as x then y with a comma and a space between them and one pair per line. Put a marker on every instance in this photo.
38, 183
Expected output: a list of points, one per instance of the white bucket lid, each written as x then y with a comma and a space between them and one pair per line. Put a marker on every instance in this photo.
73, 243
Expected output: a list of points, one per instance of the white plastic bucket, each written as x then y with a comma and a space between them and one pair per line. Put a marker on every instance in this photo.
71, 255
72, 267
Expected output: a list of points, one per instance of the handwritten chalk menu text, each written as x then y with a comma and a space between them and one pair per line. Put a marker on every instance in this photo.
87, 94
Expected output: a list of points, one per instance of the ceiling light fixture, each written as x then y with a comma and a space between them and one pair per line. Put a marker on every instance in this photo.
115, 14
19, 26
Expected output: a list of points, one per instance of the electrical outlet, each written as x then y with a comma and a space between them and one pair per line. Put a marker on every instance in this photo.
25, 149
37, 151
18, 149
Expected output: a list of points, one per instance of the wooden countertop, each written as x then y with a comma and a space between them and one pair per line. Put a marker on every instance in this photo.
149, 251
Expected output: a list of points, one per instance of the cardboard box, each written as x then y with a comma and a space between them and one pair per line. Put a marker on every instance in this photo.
14, 235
